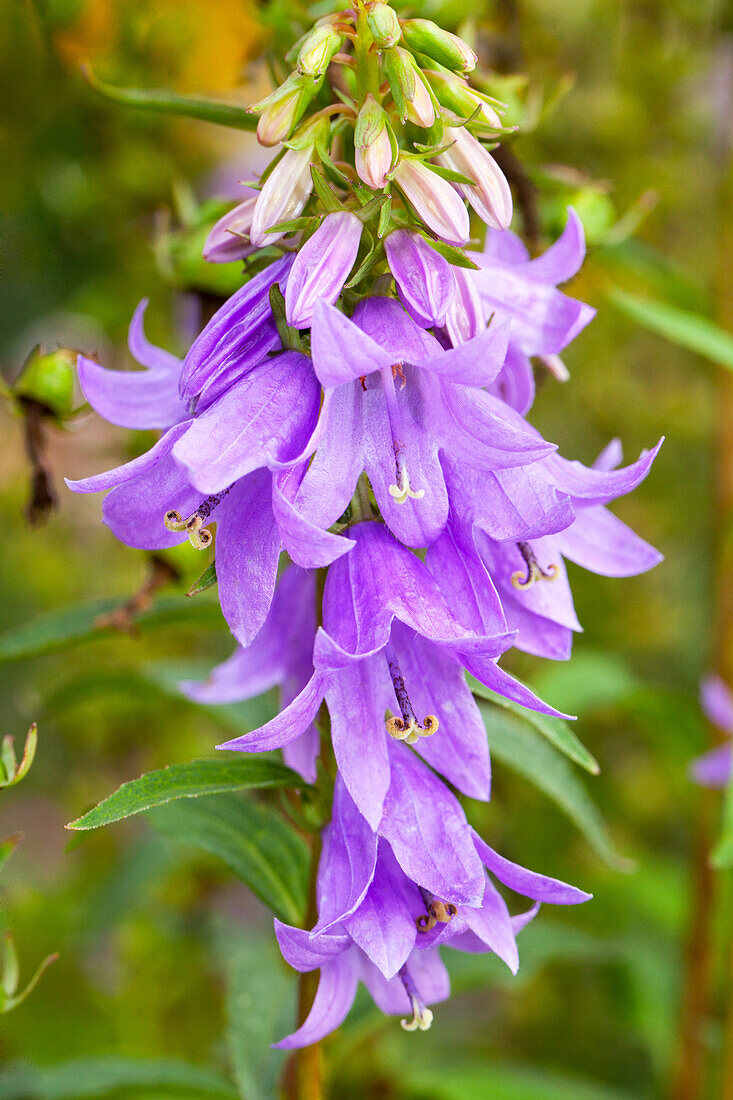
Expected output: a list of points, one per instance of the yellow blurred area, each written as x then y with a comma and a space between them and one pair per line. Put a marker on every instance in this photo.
195, 44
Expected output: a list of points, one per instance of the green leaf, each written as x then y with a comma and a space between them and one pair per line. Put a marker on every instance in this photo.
689, 330
206, 580
451, 176
526, 751
58, 629
557, 732
14, 772
589, 682
7, 847
88, 1077
454, 1080
252, 839
170, 103
722, 854
259, 1006
325, 194
200, 777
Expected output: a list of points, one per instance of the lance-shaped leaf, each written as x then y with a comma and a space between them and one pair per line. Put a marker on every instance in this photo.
163, 1078
252, 839
206, 580
526, 751
170, 103
689, 330
58, 629
199, 777
555, 730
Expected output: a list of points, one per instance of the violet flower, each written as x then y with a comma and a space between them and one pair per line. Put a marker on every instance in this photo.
389, 641
322, 266
379, 926
398, 402
714, 768
517, 572
510, 285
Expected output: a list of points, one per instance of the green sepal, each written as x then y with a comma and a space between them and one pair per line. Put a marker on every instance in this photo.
384, 217
367, 262
170, 103
332, 204
206, 580
289, 337
13, 771
455, 256
451, 176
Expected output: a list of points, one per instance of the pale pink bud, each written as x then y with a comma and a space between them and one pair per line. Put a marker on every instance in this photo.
374, 144
435, 201
420, 109
490, 196
283, 196
229, 238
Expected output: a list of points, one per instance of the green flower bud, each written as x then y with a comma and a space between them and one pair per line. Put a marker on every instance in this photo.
453, 93
408, 87
283, 108
427, 37
319, 47
47, 378
374, 144
384, 25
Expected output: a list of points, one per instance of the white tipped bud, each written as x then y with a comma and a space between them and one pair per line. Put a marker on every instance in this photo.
374, 144
435, 200
283, 196
384, 25
282, 109
490, 195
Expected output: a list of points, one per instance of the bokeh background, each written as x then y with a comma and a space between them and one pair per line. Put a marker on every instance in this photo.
166, 962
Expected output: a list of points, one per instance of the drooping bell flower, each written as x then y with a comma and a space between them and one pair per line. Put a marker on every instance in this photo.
379, 926
714, 768
510, 285
521, 565
490, 195
322, 266
390, 642
229, 238
424, 278
397, 402
435, 200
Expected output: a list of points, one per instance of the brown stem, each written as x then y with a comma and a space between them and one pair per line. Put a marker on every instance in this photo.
304, 1072
690, 1078
42, 500
160, 573
525, 193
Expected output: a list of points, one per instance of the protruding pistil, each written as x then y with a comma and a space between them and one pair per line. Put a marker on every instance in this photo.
437, 912
407, 728
422, 1017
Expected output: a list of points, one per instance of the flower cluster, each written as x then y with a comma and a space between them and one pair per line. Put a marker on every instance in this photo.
363, 397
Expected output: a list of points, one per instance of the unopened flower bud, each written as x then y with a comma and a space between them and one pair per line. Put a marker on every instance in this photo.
283, 196
428, 38
280, 111
490, 196
456, 95
374, 144
229, 238
425, 280
435, 200
384, 25
47, 379
409, 90
319, 47
322, 266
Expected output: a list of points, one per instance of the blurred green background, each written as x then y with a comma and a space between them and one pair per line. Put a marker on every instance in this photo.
165, 961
